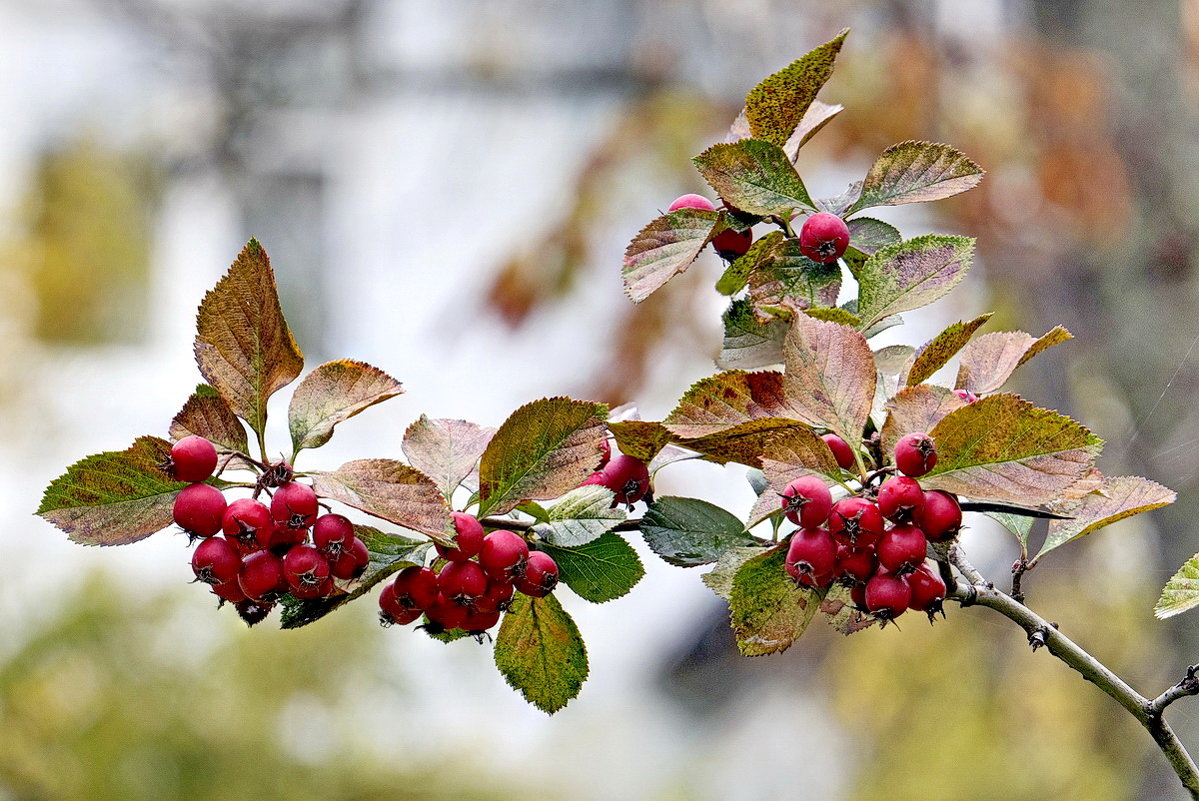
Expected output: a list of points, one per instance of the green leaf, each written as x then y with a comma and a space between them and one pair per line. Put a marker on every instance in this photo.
390, 490
775, 107
943, 347
206, 414
687, 532
749, 343
911, 275
1116, 499
830, 376
664, 248
116, 497
601, 570
389, 553
915, 172
755, 176
1002, 448
835, 315
582, 515
1181, 591
744, 443
332, 393
868, 235
842, 615
720, 578
736, 275
790, 280
544, 449
725, 400
640, 439
539, 652
445, 450
1019, 525
989, 361
243, 345
769, 610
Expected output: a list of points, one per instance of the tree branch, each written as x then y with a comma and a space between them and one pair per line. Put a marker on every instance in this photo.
1042, 633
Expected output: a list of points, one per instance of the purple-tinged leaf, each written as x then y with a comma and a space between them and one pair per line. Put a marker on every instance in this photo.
786, 279
332, 393
754, 176
915, 172
722, 401
868, 235
664, 248
933, 355
207, 415
1116, 499
830, 377
911, 275
391, 490
775, 107
916, 409
447, 451
243, 345
989, 361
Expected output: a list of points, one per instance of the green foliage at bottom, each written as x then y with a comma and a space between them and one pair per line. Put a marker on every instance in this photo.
540, 653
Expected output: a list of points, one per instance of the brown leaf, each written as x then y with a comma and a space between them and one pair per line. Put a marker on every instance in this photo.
916, 409
1116, 499
389, 490
944, 346
830, 376
664, 248
640, 439
744, 444
725, 400
207, 415
332, 393
445, 450
989, 361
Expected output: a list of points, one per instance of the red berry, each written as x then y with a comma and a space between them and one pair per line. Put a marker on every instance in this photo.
541, 575
497, 598
309, 591
351, 562
294, 505
247, 523
857, 596
812, 557
902, 548
928, 590
215, 561
807, 502
692, 202
416, 587
284, 538
462, 582
305, 567
824, 237
966, 395
627, 477
446, 613
899, 497
730, 244
477, 622
887, 596
605, 453
391, 611
856, 564
199, 509
915, 454
855, 521
261, 576
841, 451
193, 459
504, 555
229, 591
468, 542
940, 516
331, 534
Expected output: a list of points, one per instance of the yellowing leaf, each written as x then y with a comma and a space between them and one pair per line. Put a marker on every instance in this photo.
943, 347
243, 345
911, 275
769, 610
722, 401
641, 439
334, 392
989, 361
539, 652
916, 409
744, 443
1181, 591
207, 415
1116, 499
754, 176
775, 107
830, 376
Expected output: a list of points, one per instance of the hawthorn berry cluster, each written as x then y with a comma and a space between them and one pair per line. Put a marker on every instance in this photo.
266, 552
823, 237
474, 586
875, 542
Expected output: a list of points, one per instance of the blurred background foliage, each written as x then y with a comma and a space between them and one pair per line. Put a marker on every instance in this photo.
1083, 112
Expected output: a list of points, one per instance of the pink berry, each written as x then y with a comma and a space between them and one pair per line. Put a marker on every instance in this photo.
841, 451
391, 611
416, 587
966, 395
284, 537
915, 454
927, 588
215, 561
504, 555
902, 548
855, 521
806, 501
351, 562
331, 533
887, 596
824, 237
627, 477
294, 505
940, 516
605, 447
462, 582
692, 202
261, 576
541, 575
730, 244
899, 497
469, 539
477, 622
199, 509
248, 524
193, 459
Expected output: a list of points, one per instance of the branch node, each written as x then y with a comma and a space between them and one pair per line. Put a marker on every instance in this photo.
1039, 637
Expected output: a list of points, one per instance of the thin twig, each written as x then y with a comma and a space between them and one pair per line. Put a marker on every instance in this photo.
1189, 685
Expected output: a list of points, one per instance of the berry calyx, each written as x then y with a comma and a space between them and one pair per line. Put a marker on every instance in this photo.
351, 562
856, 565
855, 521
812, 557
331, 534
504, 555
497, 598
446, 613
899, 497
216, 561
467, 543
305, 567
824, 237
940, 516
691, 202
416, 587
541, 575
462, 582
199, 509
294, 505
627, 477
730, 244
902, 548
928, 590
807, 501
915, 454
248, 524
841, 451
192, 459
887, 596
261, 577
391, 611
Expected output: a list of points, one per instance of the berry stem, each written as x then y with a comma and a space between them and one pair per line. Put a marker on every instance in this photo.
1147, 712
262, 446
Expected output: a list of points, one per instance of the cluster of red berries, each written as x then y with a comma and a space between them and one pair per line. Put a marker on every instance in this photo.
823, 237
475, 585
875, 544
265, 552
626, 476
